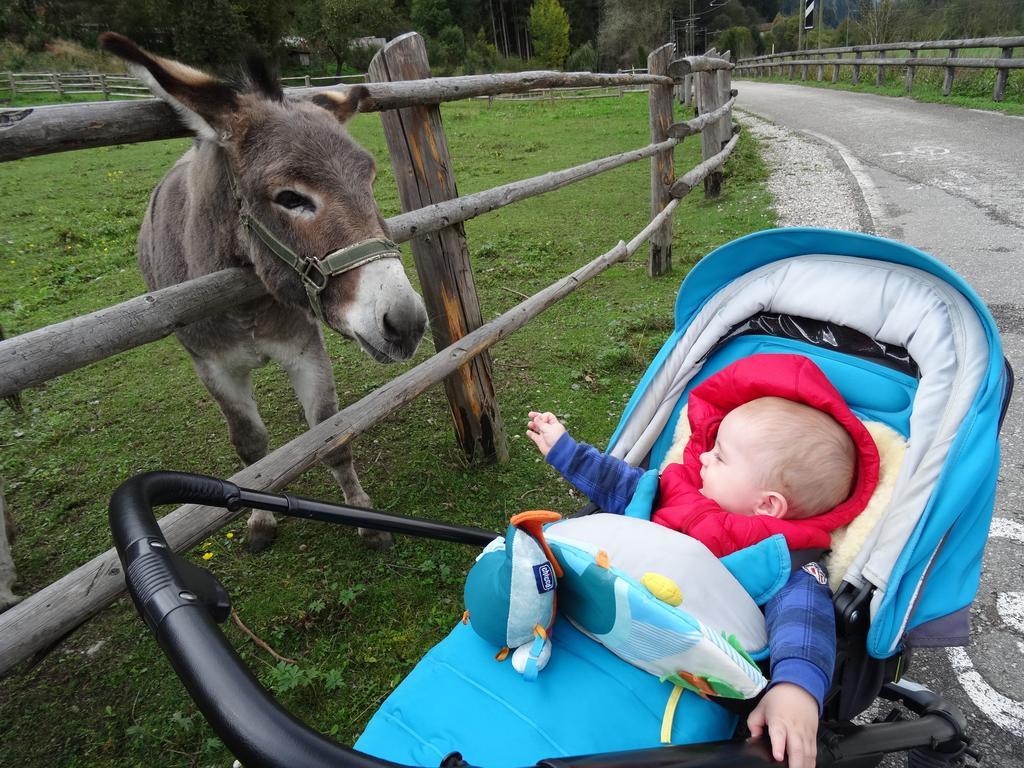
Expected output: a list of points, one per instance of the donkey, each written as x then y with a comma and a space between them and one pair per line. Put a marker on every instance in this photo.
8, 576
277, 185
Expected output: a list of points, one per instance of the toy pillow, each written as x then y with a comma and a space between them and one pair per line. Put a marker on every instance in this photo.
661, 601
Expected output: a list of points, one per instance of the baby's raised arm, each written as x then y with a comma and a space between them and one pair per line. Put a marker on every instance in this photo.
544, 429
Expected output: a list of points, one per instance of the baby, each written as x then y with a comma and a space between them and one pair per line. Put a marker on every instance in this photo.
773, 459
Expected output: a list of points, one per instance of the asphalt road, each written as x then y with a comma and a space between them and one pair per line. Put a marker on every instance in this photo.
950, 181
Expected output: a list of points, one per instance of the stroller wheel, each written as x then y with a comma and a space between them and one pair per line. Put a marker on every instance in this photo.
930, 758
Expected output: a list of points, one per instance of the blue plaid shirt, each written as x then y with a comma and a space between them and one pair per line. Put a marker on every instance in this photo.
800, 618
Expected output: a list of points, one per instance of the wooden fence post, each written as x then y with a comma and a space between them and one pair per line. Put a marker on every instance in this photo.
14, 85
947, 83
821, 68
856, 67
1001, 74
104, 87
908, 80
419, 157
835, 68
663, 174
880, 72
710, 143
57, 84
723, 79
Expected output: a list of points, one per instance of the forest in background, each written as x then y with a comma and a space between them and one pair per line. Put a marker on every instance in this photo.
470, 36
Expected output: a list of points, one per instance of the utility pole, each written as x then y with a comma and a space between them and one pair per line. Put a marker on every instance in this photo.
821, 20
801, 7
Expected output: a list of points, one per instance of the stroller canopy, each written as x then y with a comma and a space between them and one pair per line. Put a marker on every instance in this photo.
924, 557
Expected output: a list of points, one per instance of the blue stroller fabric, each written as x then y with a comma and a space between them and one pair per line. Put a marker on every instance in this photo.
924, 559
458, 698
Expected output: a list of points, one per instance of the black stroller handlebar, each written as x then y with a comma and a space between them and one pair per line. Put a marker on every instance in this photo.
257, 730
179, 602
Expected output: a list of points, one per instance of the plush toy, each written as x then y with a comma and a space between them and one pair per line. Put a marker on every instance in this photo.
510, 593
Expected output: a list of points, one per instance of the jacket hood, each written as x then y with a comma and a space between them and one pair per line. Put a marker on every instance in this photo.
796, 378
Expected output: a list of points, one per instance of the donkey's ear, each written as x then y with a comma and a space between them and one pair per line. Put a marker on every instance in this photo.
342, 104
204, 102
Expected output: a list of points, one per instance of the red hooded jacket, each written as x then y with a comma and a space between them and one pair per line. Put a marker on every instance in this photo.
681, 505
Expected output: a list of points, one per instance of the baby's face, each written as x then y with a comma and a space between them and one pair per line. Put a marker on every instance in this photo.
730, 472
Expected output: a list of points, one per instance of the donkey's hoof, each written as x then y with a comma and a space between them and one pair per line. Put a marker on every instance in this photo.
9, 600
260, 538
379, 540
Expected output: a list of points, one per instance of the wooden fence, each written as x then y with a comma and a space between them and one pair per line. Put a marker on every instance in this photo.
411, 117
72, 83
853, 57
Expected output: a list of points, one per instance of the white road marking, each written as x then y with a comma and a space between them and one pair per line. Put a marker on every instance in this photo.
1005, 712
1010, 607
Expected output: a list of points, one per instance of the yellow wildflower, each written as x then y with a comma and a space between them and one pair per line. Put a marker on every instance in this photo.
207, 555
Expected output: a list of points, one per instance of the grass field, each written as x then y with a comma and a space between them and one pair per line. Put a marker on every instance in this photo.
355, 621
971, 88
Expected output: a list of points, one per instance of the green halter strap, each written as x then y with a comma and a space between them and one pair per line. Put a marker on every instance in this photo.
314, 272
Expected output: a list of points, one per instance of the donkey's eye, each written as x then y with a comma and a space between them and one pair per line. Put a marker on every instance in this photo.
294, 201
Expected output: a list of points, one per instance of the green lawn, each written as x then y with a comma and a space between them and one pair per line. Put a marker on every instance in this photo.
972, 88
355, 620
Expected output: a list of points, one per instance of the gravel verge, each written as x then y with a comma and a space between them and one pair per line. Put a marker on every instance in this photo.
809, 182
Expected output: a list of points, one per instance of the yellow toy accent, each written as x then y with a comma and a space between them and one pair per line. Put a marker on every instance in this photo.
602, 559
502, 654
540, 632
465, 617
663, 588
670, 714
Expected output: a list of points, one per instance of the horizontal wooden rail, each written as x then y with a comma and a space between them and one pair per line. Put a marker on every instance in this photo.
48, 352
440, 215
695, 176
42, 130
44, 617
689, 64
43, 354
977, 42
691, 127
929, 61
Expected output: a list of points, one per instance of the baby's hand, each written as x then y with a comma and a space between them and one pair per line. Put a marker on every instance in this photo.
544, 429
791, 716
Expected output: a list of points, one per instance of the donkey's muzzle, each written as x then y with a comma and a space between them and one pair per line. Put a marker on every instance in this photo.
402, 325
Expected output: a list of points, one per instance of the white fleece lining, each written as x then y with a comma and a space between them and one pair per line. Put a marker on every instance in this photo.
889, 302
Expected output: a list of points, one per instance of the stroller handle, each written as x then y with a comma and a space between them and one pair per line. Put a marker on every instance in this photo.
254, 727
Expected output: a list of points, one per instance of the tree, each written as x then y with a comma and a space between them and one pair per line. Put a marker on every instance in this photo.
429, 17
629, 30
549, 30
739, 40
333, 24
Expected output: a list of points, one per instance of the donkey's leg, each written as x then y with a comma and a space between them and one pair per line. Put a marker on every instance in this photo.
309, 369
7, 573
231, 387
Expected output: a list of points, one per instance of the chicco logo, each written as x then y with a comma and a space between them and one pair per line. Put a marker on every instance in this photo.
544, 574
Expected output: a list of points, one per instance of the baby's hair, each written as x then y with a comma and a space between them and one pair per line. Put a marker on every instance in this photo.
808, 456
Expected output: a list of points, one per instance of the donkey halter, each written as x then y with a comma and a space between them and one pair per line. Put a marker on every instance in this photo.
314, 272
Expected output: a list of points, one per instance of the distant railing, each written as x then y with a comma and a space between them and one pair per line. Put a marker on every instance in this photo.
765, 66
124, 86
70, 83
307, 81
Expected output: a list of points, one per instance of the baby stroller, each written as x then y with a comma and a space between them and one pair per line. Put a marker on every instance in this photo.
905, 341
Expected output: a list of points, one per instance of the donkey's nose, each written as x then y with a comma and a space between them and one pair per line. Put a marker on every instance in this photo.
403, 324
